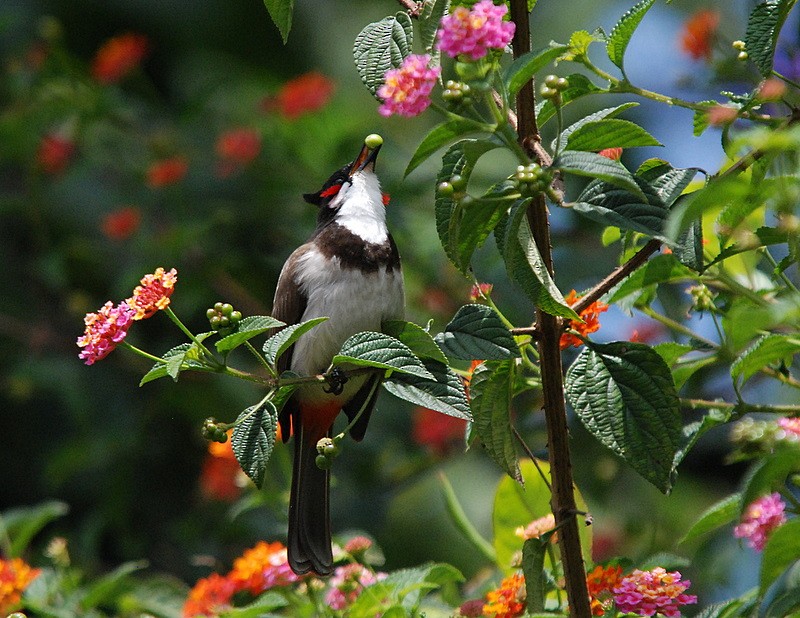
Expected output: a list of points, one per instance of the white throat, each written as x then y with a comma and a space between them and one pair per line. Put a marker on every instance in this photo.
362, 210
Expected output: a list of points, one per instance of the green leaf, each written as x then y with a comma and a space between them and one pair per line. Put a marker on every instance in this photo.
275, 346
21, 524
763, 28
609, 112
254, 438
593, 165
406, 586
368, 349
476, 332
769, 474
416, 338
668, 182
432, 13
440, 136
107, 588
623, 31
250, 327
765, 351
579, 42
180, 358
711, 197
526, 268
459, 159
610, 205
381, 46
762, 237
781, 551
671, 351
693, 431
660, 269
624, 394
610, 133
471, 225
517, 506
266, 602
533, 553
579, 86
526, 66
445, 393
490, 392
720, 514
782, 598
281, 13
689, 247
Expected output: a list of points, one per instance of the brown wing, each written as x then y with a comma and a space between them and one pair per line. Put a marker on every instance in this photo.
288, 306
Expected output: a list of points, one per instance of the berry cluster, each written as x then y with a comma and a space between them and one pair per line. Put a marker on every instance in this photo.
532, 179
223, 318
328, 450
215, 431
553, 87
456, 93
702, 298
454, 188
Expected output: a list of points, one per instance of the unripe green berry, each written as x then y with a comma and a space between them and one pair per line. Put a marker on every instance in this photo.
236, 316
227, 309
323, 463
548, 93
210, 313
458, 182
562, 83
743, 55
550, 81
445, 189
373, 140
218, 307
466, 201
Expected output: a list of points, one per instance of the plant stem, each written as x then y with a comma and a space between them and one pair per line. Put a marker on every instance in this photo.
743, 406
260, 358
677, 326
563, 496
460, 520
171, 315
140, 352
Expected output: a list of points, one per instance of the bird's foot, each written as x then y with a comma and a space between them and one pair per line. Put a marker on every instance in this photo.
336, 381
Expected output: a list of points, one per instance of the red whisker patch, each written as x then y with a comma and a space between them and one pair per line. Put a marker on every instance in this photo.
386, 199
332, 190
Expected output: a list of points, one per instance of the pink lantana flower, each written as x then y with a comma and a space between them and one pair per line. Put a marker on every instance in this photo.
474, 32
648, 593
406, 90
760, 518
153, 293
789, 428
347, 583
104, 330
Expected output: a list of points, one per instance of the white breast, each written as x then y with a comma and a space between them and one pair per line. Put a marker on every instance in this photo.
353, 301
361, 208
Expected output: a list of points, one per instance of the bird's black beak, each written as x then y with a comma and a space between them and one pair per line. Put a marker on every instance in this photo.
365, 159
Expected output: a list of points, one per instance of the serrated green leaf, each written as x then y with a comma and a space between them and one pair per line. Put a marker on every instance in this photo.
526, 268
769, 474
579, 86
517, 506
763, 237
720, 514
368, 349
593, 165
668, 182
713, 196
254, 438
276, 346
579, 42
490, 400
281, 13
445, 393
405, 587
475, 222
623, 31
432, 13
249, 327
526, 66
765, 351
660, 269
610, 133
381, 46
763, 28
416, 338
693, 431
689, 247
476, 332
624, 394
671, 351
781, 551
440, 136
19, 525
610, 205
609, 112
179, 358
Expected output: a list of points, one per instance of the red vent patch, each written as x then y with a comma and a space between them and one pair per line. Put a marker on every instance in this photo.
330, 191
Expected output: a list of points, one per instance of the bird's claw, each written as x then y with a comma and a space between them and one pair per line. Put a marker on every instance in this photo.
336, 381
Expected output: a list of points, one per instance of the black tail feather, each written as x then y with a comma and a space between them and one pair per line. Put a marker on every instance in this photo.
309, 542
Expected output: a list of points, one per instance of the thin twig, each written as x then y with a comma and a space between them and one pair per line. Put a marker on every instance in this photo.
532, 457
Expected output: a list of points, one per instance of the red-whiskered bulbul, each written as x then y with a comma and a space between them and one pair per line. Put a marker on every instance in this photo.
349, 271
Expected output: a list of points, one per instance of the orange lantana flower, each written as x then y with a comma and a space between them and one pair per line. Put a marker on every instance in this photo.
590, 317
508, 601
209, 596
118, 57
153, 293
601, 582
220, 472
166, 172
261, 568
304, 94
698, 34
15, 575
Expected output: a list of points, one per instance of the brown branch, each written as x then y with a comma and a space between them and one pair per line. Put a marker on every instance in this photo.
414, 8
562, 496
617, 275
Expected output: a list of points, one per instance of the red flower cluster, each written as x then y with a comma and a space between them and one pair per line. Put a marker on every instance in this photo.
304, 94
166, 172
236, 149
507, 601
54, 153
260, 568
118, 57
698, 34
601, 582
219, 473
590, 317
122, 223
611, 153
439, 432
